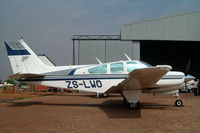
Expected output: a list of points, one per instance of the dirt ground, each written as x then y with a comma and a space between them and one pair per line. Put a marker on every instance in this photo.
84, 113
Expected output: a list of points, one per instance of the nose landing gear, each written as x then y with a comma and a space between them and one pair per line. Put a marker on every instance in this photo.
178, 102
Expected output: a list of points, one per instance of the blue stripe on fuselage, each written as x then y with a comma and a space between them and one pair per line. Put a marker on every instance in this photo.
72, 72
57, 79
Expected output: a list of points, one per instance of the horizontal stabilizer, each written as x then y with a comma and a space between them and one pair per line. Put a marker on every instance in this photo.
27, 75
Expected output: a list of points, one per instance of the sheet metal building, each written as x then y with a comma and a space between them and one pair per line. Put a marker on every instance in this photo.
105, 47
172, 40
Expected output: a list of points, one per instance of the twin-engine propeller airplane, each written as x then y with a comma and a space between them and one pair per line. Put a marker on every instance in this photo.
130, 78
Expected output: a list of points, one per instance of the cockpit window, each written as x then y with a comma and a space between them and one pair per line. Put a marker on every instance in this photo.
131, 66
116, 68
98, 69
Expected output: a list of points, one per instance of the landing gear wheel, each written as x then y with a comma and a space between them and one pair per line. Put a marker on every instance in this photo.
125, 101
134, 105
178, 103
103, 95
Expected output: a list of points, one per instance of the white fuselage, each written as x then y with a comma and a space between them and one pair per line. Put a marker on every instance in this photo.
99, 78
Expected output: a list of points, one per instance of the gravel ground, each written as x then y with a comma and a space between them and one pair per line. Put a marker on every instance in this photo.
84, 113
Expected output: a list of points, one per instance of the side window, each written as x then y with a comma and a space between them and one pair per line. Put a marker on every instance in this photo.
116, 68
98, 69
131, 66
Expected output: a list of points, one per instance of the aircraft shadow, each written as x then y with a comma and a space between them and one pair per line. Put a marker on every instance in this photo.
116, 109
112, 108
155, 106
21, 104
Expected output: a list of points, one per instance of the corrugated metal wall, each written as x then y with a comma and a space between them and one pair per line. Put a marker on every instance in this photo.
104, 50
184, 27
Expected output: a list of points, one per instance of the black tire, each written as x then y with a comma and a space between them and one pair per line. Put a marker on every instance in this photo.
134, 106
178, 103
103, 95
125, 101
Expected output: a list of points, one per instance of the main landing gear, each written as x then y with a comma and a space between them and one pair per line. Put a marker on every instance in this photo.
102, 95
131, 98
132, 105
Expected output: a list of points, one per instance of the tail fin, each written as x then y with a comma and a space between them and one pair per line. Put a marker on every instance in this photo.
23, 59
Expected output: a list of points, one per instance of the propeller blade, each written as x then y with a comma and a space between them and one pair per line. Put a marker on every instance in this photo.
188, 67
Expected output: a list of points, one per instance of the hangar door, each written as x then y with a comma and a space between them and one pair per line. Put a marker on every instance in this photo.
174, 53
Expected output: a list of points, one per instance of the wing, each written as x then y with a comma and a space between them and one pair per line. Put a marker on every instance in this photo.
142, 78
27, 75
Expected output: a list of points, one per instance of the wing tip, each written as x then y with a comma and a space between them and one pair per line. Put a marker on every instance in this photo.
165, 67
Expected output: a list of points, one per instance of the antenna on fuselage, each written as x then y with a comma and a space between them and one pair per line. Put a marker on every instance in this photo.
127, 57
98, 60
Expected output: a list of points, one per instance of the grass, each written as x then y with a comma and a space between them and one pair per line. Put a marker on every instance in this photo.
19, 98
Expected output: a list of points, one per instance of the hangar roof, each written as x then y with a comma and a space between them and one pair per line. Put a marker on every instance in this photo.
96, 37
181, 27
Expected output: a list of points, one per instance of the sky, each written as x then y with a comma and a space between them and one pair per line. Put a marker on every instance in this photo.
48, 26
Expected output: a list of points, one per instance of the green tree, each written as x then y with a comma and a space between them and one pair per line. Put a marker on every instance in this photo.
10, 81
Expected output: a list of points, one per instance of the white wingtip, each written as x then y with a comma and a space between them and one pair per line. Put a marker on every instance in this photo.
164, 67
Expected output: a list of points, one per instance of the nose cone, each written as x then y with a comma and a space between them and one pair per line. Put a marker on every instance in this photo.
174, 75
188, 78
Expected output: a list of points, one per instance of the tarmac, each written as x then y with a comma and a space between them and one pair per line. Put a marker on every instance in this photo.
84, 113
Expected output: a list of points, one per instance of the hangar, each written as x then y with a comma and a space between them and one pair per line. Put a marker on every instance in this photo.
106, 48
172, 40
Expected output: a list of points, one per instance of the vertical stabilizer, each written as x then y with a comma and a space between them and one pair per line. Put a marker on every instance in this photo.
24, 60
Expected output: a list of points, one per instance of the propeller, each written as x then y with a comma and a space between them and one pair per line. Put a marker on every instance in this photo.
186, 74
188, 67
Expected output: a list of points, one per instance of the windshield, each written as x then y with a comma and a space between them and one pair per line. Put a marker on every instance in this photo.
132, 65
147, 64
